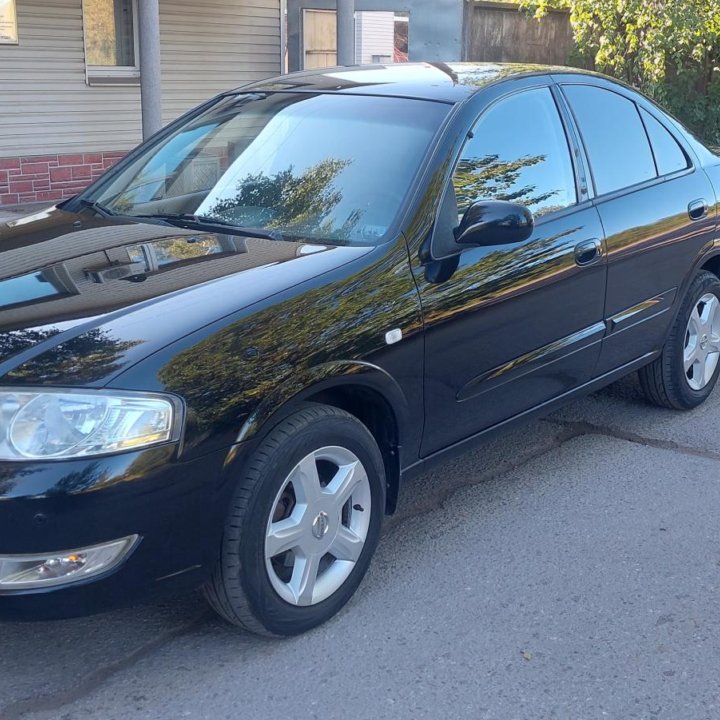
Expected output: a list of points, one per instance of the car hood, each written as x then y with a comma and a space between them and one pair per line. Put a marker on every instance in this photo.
84, 297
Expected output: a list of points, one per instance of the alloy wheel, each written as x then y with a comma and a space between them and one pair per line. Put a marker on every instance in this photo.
318, 526
701, 351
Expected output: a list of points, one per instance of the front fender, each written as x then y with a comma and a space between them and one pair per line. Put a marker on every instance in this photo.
311, 381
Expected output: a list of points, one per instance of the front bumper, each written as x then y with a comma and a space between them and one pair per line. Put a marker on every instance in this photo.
177, 509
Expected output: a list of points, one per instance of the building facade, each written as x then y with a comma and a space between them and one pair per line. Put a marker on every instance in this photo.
385, 31
70, 74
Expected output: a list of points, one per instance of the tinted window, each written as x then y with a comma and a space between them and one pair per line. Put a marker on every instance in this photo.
614, 137
332, 167
519, 152
669, 156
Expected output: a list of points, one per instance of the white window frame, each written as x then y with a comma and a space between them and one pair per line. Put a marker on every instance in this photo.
114, 74
13, 38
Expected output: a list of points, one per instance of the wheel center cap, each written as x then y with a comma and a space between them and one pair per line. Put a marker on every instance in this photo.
321, 525
703, 341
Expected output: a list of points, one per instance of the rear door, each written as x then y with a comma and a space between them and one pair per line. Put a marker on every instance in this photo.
655, 205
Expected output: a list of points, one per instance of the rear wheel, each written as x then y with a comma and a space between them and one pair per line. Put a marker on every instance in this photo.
303, 525
687, 371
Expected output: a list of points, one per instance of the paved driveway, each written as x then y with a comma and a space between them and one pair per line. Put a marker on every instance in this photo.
569, 570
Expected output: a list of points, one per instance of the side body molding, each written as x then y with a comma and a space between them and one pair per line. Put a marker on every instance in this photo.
645, 310
532, 361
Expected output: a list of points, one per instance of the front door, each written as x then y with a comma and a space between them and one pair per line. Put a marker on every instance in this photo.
514, 325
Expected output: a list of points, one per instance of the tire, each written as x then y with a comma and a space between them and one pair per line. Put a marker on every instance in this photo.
665, 381
266, 595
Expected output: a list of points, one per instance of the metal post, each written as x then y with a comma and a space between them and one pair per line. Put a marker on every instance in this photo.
283, 36
150, 74
345, 32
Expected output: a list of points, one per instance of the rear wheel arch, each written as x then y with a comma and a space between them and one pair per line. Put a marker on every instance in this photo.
708, 259
665, 380
711, 264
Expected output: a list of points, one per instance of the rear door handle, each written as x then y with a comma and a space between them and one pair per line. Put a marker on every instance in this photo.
588, 251
697, 209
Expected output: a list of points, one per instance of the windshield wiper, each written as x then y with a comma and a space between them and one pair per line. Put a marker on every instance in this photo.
190, 221
98, 208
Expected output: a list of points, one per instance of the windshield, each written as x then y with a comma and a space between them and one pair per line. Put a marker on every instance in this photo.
329, 167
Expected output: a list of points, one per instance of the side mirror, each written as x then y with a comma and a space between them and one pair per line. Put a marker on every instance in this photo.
494, 222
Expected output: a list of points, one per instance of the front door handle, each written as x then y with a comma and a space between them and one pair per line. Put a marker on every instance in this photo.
697, 209
588, 252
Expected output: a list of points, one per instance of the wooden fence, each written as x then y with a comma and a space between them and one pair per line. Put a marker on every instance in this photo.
501, 32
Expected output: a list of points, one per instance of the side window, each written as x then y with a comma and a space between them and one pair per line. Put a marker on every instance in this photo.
614, 137
669, 156
519, 152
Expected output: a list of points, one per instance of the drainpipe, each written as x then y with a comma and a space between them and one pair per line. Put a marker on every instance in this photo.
150, 76
345, 32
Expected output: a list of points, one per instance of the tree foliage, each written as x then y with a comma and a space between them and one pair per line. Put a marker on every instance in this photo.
670, 49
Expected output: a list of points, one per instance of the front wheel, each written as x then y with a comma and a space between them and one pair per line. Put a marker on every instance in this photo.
303, 524
687, 371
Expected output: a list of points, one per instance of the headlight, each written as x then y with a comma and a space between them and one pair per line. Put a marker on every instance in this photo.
59, 424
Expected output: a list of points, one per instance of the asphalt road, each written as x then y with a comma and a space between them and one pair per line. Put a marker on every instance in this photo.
569, 570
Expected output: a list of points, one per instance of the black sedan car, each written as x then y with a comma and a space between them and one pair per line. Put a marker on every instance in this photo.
219, 363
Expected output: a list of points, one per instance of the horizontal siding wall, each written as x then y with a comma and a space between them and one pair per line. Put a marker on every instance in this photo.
214, 46
375, 35
46, 107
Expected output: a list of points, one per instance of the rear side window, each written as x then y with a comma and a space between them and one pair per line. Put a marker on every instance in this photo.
669, 156
614, 137
507, 159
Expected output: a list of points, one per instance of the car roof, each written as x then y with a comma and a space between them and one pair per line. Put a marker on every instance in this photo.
443, 82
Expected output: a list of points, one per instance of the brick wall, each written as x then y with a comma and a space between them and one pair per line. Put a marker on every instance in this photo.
50, 178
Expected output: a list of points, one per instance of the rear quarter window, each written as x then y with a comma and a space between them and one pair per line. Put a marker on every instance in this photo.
669, 156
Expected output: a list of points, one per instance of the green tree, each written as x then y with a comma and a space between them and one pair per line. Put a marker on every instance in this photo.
670, 49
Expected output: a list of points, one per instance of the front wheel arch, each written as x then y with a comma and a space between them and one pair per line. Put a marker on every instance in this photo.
363, 390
